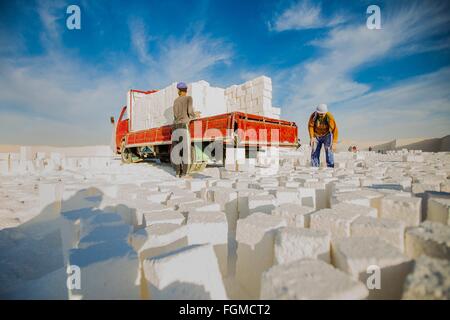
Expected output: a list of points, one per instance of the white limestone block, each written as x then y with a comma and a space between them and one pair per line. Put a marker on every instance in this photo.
185, 208
350, 197
224, 183
50, 196
322, 195
307, 196
188, 273
287, 195
4, 167
404, 209
108, 270
391, 231
26, 153
430, 280
195, 184
255, 253
158, 239
295, 215
174, 217
243, 195
176, 202
97, 218
358, 255
158, 197
299, 243
105, 233
210, 227
355, 208
260, 203
308, 279
429, 238
134, 211
439, 210
336, 222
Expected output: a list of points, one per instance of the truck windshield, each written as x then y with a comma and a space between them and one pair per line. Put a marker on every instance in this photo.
124, 115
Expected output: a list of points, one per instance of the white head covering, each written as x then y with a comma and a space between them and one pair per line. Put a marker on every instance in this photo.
322, 108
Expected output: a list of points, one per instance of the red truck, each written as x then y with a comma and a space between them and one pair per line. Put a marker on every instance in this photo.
235, 129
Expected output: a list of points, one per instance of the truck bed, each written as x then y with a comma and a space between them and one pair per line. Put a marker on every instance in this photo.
224, 126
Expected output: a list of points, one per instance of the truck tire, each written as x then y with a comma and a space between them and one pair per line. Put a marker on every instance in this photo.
126, 155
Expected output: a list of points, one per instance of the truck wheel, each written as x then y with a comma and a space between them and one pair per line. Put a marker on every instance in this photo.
127, 156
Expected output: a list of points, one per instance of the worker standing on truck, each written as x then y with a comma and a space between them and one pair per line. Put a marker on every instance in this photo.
322, 131
183, 113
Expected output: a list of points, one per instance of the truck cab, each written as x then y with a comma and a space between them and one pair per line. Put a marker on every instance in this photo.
122, 128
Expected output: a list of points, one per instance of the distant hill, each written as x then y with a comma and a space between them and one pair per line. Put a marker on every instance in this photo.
427, 145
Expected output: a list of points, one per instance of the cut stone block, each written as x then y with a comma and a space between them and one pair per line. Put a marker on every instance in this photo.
176, 202
4, 167
407, 210
173, 217
108, 270
97, 219
308, 279
188, 273
255, 253
334, 221
439, 210
430, 238
392, 231
322, 194
422, 187
355, 208
185, 208
430, 280
295, 215
298, 243
158, 197
287, 195
158, 239
195, 185
366, 258
105, 234
307, 197
260, 203
136, 210
26, 153
227, 198
243, 196
50, 196
224, 183
210, 227
350, 197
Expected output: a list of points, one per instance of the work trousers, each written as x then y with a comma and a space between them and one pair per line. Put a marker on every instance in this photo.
327, 142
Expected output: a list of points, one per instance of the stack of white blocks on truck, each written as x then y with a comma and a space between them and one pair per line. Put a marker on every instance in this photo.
155, 109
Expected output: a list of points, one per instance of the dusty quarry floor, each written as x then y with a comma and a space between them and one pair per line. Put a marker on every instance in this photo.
77, 227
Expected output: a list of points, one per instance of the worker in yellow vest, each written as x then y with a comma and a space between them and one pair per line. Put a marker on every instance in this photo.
322, 131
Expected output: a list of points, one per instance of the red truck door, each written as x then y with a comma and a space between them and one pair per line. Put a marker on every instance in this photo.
122, 127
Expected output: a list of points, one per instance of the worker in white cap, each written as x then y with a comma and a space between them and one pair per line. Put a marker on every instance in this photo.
322, 131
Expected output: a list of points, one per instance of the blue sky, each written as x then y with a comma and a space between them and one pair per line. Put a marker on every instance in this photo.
59, 86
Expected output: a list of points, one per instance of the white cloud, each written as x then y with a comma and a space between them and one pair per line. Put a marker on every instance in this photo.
347, 49
140, 41
304, 15
57, 98
186, 58
416, 107
52, 24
